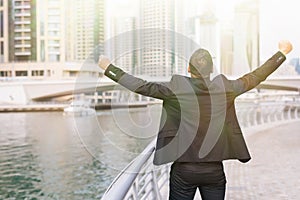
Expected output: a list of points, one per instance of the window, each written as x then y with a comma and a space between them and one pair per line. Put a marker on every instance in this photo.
1, 24
42, 28
53, 33
73, 73
21, 73
1, 48
37, 73
54, 58
5, 73
42, 50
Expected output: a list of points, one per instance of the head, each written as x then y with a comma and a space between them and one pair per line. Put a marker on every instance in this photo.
201, 64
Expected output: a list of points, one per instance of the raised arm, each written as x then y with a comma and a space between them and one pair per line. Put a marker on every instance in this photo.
134, 84
254, 78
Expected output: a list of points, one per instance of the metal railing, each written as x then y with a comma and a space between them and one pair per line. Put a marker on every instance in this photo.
262, 113
141, 180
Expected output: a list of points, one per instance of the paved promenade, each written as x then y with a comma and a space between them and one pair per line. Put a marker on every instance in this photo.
274, 170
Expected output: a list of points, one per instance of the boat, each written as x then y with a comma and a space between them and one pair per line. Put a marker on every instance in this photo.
79, 108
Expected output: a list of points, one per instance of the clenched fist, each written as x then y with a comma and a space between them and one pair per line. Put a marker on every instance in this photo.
103, 62
285, 46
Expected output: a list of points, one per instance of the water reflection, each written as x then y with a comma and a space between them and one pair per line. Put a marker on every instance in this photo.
51, 156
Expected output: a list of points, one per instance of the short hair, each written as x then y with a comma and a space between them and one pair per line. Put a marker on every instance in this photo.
201, 63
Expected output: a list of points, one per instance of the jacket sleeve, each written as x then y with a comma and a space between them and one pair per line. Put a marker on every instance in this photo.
254, 78
137, 85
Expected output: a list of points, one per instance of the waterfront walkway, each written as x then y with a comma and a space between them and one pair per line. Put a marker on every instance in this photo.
273, 172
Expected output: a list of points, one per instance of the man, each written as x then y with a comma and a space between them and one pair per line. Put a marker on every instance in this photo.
199, 127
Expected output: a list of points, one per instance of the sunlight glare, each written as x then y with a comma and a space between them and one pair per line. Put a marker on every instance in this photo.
225, 9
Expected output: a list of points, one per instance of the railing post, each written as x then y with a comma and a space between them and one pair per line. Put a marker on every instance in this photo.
282, 112
277, 113
259, 115
255, 122
294, 112
274, 112
155, 186
289, 113
247, 121
263, 114
269, 120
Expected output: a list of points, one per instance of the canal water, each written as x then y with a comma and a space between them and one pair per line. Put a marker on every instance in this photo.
52, 156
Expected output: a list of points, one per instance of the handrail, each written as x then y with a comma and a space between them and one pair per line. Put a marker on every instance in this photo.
128, 175
141, 180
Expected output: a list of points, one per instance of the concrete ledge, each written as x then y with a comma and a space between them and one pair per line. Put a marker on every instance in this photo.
32, 108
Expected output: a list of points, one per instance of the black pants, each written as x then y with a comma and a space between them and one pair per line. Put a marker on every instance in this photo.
185, 178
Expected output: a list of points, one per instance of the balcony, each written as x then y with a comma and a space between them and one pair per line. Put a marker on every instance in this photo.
25, 45
22, 6
23, 14
22, 22
22, 30
22, 53
22, 38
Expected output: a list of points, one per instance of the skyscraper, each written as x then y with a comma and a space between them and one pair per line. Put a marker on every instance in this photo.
124, 43
44, 38
226, 47
22, 28
51, 30
3, 31
246, 37
87, 28
50, 34
160, 21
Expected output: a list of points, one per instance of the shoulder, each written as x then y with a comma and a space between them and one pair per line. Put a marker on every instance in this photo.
177, 76
221, 81
180, 78
179, 82
221, 78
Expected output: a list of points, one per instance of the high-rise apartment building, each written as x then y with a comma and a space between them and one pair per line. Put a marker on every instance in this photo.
160, 23
124, 43
22, 28
51, 30
87, 28
246, 37
50, 34
226, 48
3, 31
44, 38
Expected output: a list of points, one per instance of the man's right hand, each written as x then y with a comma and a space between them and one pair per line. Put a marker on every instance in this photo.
285, 46
103, 62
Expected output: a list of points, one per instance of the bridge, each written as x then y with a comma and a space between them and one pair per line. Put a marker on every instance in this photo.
23, 92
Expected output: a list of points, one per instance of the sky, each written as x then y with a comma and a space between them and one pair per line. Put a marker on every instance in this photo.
279, 19
118, 7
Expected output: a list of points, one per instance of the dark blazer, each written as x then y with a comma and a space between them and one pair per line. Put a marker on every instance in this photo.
198, 120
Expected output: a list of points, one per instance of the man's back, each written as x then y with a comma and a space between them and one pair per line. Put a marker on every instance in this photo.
199, 110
